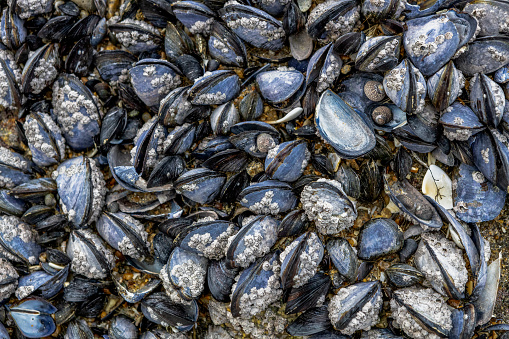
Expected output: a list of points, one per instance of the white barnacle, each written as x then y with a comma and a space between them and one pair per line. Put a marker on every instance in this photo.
485, 153
7, 272
478, 177
424, 301
265, 205
363, 319
43, 75
201, 27
449, 256
190, 276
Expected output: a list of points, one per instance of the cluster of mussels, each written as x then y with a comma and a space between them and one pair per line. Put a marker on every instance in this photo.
226, 169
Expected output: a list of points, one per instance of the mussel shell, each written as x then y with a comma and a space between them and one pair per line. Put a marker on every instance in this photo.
226, 47
79, 125
445, 86
200, 185
378, 54
310, 295
32, 317
379, 237
487, 100
215, 88
403, 275
330, 20
277, 86
476, 198
253, 241
268, 197
268, 33
41, 69
287, 161
460, 122
343, 257
339, 125
114, 64
412, 202
159, 309
263, 274
136, 36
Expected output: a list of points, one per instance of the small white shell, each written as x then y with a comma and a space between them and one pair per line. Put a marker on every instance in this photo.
294, 113
438, 186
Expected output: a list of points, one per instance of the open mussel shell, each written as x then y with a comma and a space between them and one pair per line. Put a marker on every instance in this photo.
430, 42
77, 112
44, 139
324, 67
226, 47
476, 199
484, 55
419, 319
41, 69
332, 19
124, 233
300, 259
81, 189
460, 122
215, 88
325, 203
254, 26
487, 100
136, 36
281, 87
356, 307
90, 257
403, 275
153, 79
253, 241
268, 197
444, 87
341, 127
378, 54
257, 287
442, 264
33, 317
406, 87
415, 206
18, 241
159, 308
